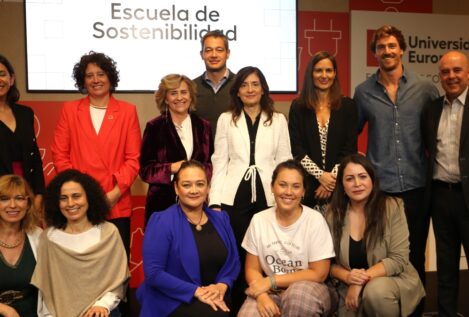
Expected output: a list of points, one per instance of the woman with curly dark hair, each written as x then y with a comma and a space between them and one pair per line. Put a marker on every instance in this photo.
100, 135
82, 267
251, 139
371, 241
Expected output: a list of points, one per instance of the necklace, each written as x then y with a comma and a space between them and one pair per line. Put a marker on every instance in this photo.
198, 226
98, 107
10, 246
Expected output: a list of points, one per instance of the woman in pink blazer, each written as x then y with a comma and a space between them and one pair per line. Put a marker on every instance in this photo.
100, 135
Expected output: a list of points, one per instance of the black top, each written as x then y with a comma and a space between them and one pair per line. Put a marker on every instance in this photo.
12, 141
252, 130
14, 282
305, 140
27, 147
357, 254
212, 252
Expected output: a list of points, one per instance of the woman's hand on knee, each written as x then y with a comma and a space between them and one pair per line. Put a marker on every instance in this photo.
8, 311
97, 311
266, 306
258, 287
352, 300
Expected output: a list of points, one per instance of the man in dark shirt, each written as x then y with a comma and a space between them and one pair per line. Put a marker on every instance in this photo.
213, 86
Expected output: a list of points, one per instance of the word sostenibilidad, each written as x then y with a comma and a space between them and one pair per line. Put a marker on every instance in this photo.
167, 32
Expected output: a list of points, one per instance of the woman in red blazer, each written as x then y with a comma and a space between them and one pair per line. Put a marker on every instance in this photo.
100, 135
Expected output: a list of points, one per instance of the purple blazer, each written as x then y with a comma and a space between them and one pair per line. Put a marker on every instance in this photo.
162, 146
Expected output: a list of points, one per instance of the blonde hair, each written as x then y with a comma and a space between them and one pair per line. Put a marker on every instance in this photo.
15, 183
170, 82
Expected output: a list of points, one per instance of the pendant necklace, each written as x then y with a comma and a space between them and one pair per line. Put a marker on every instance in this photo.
197, 225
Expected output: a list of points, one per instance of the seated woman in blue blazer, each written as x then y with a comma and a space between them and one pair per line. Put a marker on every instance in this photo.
190, 257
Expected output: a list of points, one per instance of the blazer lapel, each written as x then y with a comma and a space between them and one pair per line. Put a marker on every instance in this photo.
465, 122
188, 249
110, 118
345, 242
436, 122
84, 120
314, 143
242, 129
196, 137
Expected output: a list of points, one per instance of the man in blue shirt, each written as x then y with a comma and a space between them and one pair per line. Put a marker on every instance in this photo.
391, 101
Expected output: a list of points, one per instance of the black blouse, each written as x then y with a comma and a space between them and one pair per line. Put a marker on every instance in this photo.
357, 254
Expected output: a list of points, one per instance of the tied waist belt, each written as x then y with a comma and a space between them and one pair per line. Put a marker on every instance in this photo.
454, 187
251, 175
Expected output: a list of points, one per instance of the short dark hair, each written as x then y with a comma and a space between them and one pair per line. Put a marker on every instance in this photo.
267, 103
98, 205
107, 64
216, 34
290, 165
385, 31
13, 94
190, 164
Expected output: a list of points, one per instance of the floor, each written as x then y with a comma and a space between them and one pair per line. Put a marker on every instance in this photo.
430, 302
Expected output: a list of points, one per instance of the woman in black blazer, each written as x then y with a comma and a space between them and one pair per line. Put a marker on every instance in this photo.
323, 128
19, 153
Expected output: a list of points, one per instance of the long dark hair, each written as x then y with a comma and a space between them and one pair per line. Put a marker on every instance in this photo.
309, 93
375, 207
13, 94
267, 104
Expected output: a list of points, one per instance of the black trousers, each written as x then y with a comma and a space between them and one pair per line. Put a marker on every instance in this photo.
451, 226
240, 216
418, 221
123, 225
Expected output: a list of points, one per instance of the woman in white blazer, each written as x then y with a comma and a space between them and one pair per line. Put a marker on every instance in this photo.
250, 141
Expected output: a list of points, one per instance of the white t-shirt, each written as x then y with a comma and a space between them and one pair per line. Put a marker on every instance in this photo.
283, 250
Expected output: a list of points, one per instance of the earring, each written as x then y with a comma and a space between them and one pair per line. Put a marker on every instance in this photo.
177, 199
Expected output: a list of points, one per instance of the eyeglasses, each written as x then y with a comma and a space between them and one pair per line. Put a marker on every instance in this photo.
19, 199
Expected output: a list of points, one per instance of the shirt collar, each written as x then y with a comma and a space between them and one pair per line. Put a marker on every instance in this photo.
404, 77
461, 98
225, 76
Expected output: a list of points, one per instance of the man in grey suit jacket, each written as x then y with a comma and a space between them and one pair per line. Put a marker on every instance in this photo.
445, 127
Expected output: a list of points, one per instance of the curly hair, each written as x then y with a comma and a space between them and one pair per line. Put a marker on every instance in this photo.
13, 94
309, 93
385, 31
107, 64
14, 183
98, 205
267, 104
375, 207
170, 82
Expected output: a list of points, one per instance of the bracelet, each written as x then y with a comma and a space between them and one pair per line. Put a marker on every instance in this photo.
273, 284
